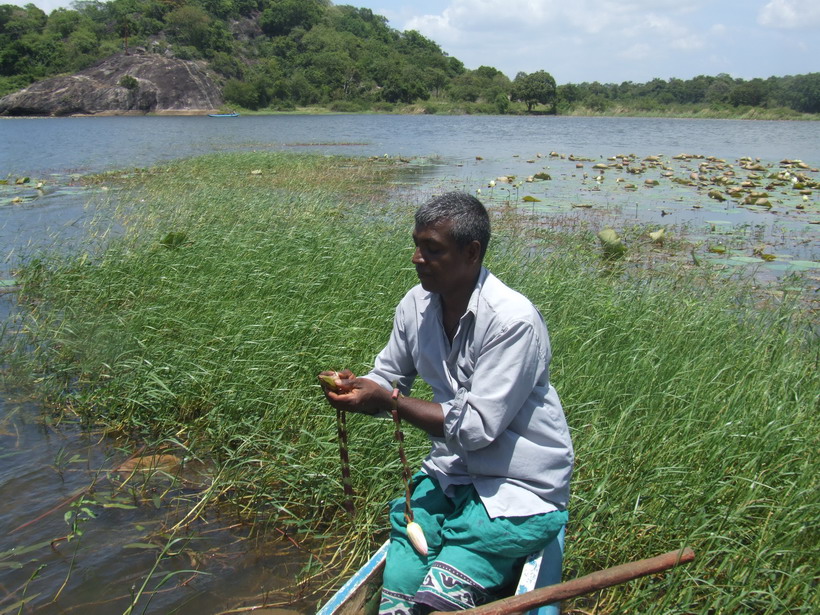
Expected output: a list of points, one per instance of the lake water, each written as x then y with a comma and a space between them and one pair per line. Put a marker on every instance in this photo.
44, 145
457, 152
45, 469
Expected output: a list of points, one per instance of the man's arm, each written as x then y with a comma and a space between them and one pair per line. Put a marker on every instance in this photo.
365, 396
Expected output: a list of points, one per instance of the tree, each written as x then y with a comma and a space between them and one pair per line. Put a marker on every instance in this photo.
751, 93
190, 26
282, 16
241, 93
718, 91
804, 93
16, 21
569, 93
535, 88
485, 82
405, 84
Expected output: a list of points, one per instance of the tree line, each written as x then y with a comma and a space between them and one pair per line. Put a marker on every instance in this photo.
280, 54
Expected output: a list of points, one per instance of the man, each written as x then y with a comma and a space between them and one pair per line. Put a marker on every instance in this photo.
495, 485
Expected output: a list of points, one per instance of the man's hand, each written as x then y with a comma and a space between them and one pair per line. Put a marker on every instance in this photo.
346, 392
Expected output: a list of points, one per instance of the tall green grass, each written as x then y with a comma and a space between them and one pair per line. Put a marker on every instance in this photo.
692, 408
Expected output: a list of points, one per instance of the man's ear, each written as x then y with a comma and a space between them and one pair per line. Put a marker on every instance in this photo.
473, 251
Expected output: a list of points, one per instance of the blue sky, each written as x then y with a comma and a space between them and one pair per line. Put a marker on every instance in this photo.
612, 40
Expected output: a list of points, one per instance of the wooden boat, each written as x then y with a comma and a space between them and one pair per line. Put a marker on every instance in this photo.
232, 114
360, 594
539, 589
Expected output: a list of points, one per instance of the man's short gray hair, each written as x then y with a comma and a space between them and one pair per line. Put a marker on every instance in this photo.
470, 219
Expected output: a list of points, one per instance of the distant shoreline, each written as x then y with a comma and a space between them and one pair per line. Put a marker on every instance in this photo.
704, 113
419, 109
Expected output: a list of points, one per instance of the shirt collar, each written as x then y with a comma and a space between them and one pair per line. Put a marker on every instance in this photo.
472, 306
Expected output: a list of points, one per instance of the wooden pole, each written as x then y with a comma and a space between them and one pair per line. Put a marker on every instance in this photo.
583, 585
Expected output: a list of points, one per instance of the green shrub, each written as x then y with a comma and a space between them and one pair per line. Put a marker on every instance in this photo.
129, 82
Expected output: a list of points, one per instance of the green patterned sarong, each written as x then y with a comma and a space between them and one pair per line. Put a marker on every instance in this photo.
472, 558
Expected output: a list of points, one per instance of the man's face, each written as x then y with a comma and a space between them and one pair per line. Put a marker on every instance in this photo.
441, 265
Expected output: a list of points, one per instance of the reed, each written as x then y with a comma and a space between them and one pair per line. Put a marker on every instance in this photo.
240, 276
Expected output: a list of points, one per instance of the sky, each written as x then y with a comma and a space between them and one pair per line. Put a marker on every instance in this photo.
611, 41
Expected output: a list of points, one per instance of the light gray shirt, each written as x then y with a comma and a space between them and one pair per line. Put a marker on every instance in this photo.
505, 430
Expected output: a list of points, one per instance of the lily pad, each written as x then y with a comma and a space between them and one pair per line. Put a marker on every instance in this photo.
611, 243
795, 265
744, 260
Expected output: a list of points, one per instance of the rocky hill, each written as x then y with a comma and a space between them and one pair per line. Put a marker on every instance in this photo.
142, 83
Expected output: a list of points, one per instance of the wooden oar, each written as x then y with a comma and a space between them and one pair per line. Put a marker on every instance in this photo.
582, 585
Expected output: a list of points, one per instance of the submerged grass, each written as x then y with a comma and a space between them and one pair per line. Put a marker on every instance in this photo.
240, 276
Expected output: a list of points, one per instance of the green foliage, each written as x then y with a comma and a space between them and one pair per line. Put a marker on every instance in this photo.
129, 82
405, 85
597, 103
800, 93
307, 52
227, 65
11, 84
502, 103
751, 93
189, 25
241, 93
282, 16
535, 88
484, 84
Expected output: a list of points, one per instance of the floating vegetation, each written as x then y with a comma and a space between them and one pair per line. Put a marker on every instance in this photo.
658, 236
690, 188
612, 244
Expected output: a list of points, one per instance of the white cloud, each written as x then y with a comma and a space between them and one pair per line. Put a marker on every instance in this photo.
638, 51
47, 6
789, 14
566, 38
480, 16
690, 42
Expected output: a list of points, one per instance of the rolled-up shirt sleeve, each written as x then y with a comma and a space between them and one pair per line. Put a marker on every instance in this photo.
507, 371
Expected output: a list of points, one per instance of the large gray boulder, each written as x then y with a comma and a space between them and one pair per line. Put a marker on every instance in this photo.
146, 83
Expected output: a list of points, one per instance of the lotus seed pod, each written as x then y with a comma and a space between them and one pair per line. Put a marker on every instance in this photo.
335, 383
330, 380
416, 536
